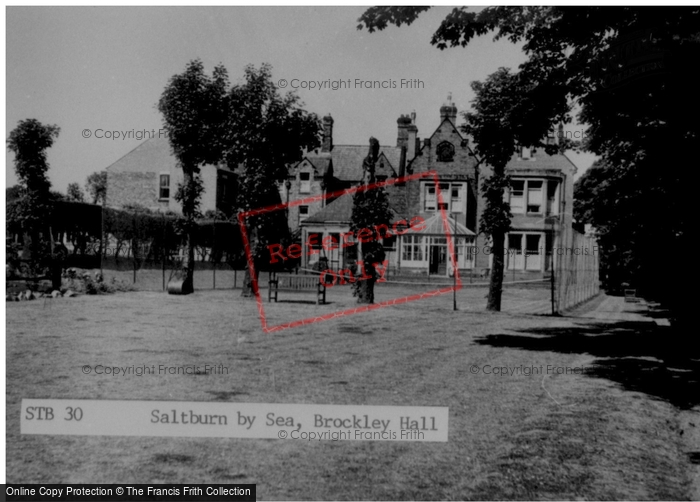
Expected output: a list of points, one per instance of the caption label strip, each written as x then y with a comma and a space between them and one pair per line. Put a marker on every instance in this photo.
305, 422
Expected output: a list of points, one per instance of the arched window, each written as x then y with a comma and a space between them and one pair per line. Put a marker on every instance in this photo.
445, 152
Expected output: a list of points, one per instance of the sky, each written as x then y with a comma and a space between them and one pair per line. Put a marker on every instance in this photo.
94, 70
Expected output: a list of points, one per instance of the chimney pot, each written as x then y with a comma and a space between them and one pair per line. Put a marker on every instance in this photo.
327, 133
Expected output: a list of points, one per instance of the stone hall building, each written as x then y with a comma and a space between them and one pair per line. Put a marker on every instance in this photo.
148, 176
541, 196
541, 199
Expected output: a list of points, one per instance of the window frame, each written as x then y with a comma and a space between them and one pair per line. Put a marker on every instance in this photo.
304, 185
531, 190
162, 187
450, 203
303, 215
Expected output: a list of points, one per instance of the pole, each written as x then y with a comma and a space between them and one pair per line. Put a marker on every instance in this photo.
554, 311
133, 244
163, 250
102, 237
213, 247
455, 270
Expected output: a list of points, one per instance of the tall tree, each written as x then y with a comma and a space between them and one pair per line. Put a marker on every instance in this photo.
501, 122
96, 186
195, 109
629, 72
74, 193
370, 208
29, 142
266, 132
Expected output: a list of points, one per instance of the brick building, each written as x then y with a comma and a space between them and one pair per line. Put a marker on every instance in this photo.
148, 176
541, 201
332, 168
541, 196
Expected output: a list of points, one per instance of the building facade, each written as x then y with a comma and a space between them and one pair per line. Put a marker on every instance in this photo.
540, 196
149, 175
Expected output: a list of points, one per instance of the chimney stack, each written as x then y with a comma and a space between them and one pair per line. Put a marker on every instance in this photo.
327, 133
412, 145
403, 122
449, 111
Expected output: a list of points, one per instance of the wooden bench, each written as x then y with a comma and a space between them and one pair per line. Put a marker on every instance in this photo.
287, 282
631, 296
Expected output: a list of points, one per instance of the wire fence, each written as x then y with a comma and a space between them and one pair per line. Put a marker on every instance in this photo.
576, 276
144, 249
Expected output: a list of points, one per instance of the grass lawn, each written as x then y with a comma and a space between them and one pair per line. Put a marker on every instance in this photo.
511, 437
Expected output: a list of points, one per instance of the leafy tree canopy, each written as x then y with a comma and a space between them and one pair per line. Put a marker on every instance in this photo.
29, 142
96, 186
74, 193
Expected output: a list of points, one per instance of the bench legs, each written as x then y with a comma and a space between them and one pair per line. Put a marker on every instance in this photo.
272, 291
321, 294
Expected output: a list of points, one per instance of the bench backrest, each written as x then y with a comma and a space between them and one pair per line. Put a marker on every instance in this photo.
297, 281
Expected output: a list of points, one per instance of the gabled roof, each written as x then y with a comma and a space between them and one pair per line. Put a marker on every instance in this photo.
435, 225
346, 161
153, 154
393, 155
320, 163
451, 125
340, 210
541, 160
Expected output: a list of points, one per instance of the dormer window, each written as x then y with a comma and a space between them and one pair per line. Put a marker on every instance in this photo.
305, 179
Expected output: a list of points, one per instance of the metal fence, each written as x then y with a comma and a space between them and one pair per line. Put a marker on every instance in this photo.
576, 277
144, 249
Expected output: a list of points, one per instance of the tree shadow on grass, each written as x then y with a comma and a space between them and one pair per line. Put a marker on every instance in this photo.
640, 356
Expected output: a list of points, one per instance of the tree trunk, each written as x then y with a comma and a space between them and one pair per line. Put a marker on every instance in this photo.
365, 287
365, 291
247, 290
183, 279
496, 281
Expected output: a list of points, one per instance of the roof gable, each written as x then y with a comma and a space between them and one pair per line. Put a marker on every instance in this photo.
319, 164
450, 129
340, 210
541, 161
435, 225
152, 155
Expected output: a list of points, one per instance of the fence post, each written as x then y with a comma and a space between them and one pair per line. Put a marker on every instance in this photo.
102, 237
163, 249
133, 243
213, 248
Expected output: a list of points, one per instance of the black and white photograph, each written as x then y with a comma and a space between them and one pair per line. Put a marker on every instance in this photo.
351, 252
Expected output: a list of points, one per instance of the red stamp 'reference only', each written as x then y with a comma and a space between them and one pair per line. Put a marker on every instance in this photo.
399, 227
